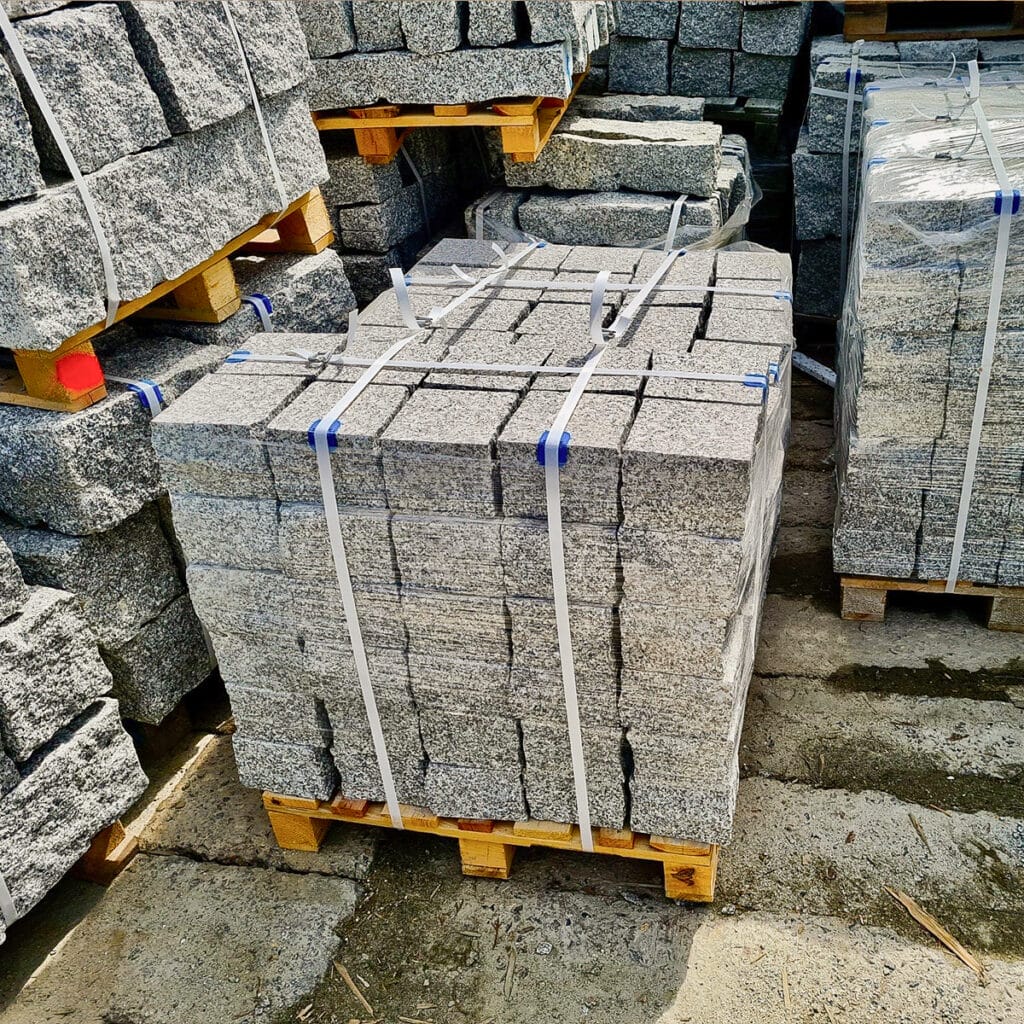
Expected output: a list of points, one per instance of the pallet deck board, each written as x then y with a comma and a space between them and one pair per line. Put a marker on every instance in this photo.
487, 847
911, 20
865, 599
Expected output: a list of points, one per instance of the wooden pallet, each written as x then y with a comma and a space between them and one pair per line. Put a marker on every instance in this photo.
487, 847
864, 599
110, 853
71, 378
526, 124
927, 19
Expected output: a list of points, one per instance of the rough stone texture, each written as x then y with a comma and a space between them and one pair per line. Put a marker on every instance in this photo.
779, 29
701, 72
492, 23
432, 26
459, 76
647, 20
51, 671
710, 25
12, 586
275, 47
19, 171
328, 26
766, 77
378, 24
631, 107
75, 786
599, 156
277, 930
94, 85
638, 66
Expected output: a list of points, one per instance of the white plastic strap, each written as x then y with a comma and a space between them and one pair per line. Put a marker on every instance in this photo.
851, 94
257, 108
481, 209
262, 307
419, 185
673, 224
148, 392
991, 326
8, 911
21, 59
835, 94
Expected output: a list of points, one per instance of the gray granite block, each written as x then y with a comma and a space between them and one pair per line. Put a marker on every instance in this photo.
432, 26
761, 76
710, 25
241, 532
458, 76
94, 85
701, 72
275, 45
272, 716
753, 325
473, 741
589, 480
570, 353
548, 777
458, 627
328, 26
290, 769
598, 218
479, 313
353, 181
13, 593
489, 348
535, 639
578, 26
817, 187
123, 577
464, 685
492, 23
371, 342
82, 781
50, 671
262, 658
937, 51
454, 791
647, 20
779, 29
190, 56
9, 778
164, 661
638, 66
698, 814
819, 289
449, 553
19, 171
633, 107
439, 452
378, 24
369, 274
380, 226
595, 155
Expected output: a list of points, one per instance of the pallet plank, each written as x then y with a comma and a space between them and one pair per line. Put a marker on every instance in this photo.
925, 19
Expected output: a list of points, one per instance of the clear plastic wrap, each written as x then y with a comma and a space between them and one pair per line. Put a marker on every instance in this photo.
669, 500
931, 474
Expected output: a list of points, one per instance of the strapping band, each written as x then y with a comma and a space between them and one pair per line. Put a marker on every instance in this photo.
1005, 206
673, 225
263, 308
258, 109
147, 391
419, 185
21, 59
8, 911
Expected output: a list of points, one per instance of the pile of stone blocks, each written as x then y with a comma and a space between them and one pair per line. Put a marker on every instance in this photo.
670, 498
613, 173
715, 49
823, 146
384, 216
410, 51
913, 328
67, 767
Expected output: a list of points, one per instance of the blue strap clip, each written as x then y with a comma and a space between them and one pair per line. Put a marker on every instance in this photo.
773, 373
145, 398
332, 434
563, 448
757, 380
859, 77
264, 300
240, 355
877, 161
1015, 205
784, 295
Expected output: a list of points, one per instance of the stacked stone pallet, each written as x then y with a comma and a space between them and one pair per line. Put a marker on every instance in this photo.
67, 767
446, 52
914, 324
823, 145
717, 49
669, 499
156, 108
614, 172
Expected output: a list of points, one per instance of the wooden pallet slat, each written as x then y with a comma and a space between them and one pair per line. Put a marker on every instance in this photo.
926, 19
865, 599
487, 848
70, 378
111, 852
526, 124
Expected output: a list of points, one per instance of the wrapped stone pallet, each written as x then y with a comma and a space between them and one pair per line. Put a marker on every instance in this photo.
929, 429
626, 171
669, 499
67, 767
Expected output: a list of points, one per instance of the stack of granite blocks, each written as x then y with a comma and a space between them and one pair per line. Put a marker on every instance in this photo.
669, 501
613, 174
823, 144
912, 340
717, 49
154, 101
67, 767
410, 51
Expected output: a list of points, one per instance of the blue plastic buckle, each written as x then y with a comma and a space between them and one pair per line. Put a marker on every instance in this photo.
877, 161
563, 448
757, 380
879, 122
1014, 206
858, 79
240, 355
784, 296
264, 301
332, 434
143, 396
773, 373
542, 245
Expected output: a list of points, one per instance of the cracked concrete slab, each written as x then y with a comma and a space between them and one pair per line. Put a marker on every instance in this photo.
179, 942
211, 817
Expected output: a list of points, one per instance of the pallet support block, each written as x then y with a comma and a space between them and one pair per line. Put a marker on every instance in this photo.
305, 230
378, 145
66, 380
210, 297
110, 853
483, 859
860, 604
1007, 614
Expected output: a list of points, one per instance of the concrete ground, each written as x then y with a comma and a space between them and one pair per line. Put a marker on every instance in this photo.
873, 755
